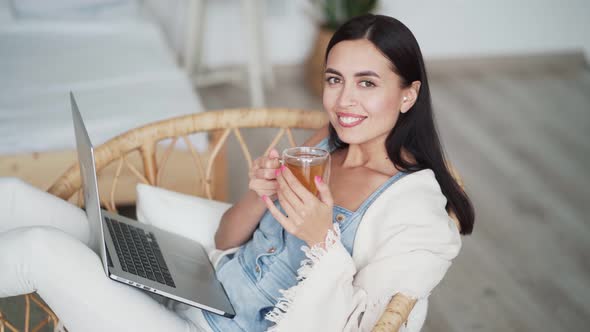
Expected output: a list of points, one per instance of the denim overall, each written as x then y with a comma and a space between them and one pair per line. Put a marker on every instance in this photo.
253, 276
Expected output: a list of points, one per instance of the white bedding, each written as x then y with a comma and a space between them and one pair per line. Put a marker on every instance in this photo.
122, 74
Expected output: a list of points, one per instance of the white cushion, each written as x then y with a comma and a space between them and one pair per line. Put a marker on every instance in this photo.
192, 217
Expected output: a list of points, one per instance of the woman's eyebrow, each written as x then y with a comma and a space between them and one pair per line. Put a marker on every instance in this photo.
359, 74
367, 73
332, 71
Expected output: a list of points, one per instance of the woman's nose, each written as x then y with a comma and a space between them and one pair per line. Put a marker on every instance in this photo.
347, 97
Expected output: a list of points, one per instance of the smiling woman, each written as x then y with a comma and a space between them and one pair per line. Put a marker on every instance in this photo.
362, 91
388, 195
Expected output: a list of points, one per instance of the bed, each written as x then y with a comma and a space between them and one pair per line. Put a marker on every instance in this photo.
114, 59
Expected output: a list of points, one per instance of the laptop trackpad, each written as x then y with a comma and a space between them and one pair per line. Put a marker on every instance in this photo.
187, 266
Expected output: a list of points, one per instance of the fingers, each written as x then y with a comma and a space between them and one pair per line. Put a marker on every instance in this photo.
289, 209
272, 160
272, 195
264, 167
264, 187
264, 184
287, 191
264, 173
272, 163
281, 218
324, 190
273, 154
294, 184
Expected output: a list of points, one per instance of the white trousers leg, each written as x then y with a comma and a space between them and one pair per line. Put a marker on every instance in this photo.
44, 248
22, 205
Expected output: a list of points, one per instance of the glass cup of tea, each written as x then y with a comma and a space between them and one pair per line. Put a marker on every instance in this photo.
307, 162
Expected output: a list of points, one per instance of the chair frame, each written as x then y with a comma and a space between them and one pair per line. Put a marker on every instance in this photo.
219, 124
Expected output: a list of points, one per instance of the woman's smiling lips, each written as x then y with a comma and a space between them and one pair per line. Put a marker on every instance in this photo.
349, 120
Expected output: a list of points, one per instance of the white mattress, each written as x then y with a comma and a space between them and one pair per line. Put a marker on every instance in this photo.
121, 73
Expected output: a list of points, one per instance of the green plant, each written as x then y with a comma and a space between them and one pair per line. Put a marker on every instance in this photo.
336, 12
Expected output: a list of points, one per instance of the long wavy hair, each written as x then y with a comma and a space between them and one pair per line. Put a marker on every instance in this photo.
414, 130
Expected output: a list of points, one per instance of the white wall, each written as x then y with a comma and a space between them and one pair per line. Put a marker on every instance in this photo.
451, 28
464, 27
289, 32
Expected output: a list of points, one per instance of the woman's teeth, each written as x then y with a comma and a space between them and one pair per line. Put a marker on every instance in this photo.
349, 120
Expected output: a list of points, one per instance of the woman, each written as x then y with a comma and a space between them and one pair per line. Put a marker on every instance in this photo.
380, 226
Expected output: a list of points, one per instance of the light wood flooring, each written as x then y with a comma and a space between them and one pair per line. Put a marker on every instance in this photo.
521, 141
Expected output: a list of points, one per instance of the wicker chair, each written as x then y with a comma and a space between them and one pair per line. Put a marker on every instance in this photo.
219, 125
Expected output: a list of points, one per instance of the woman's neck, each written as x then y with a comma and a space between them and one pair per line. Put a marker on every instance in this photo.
372, 156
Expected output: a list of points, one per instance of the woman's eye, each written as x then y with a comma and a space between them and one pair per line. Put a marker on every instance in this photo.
332, 80
366, 84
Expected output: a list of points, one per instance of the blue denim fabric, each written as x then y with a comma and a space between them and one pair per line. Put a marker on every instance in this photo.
253, 276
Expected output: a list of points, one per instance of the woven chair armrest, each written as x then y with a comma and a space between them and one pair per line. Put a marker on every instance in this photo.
396, 313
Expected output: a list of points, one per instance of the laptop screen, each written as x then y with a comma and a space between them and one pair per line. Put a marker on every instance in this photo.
89, 182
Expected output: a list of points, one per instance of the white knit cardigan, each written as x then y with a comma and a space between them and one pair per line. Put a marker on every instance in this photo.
404, 243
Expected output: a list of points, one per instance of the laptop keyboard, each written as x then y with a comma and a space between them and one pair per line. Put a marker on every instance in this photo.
139, 252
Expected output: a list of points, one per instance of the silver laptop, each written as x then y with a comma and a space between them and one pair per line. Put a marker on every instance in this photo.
143, 256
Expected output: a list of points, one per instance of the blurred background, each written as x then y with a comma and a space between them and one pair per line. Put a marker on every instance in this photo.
511, 92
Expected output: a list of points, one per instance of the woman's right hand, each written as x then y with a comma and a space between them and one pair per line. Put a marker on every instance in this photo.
263, 178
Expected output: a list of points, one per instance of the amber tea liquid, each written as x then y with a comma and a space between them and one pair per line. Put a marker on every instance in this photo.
306, 167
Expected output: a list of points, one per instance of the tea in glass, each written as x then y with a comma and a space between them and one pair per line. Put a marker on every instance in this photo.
306, 163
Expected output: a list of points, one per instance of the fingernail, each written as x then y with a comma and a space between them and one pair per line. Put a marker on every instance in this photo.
277, 171
282, 168
318, 179
263, 198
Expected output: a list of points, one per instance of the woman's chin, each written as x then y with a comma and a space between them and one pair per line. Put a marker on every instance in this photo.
361, 139
350, 140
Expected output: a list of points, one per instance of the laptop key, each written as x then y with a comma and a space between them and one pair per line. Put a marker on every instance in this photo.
160, 259
151, 276
139, 269
159, 278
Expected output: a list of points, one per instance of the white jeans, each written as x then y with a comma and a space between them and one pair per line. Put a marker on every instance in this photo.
46, 246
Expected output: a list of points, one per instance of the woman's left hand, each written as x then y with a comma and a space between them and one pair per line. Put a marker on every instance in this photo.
308, 217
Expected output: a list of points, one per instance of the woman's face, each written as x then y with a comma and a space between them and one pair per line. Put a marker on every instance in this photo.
362, 94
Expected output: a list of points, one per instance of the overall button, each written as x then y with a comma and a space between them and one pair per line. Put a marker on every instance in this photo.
271, 250
340, 217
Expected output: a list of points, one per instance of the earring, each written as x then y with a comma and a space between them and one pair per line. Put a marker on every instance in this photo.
405, 99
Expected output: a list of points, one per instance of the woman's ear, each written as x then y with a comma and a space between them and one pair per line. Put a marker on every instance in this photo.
410, 94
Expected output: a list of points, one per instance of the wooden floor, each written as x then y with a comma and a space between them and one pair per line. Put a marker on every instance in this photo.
519, 136
521, 141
